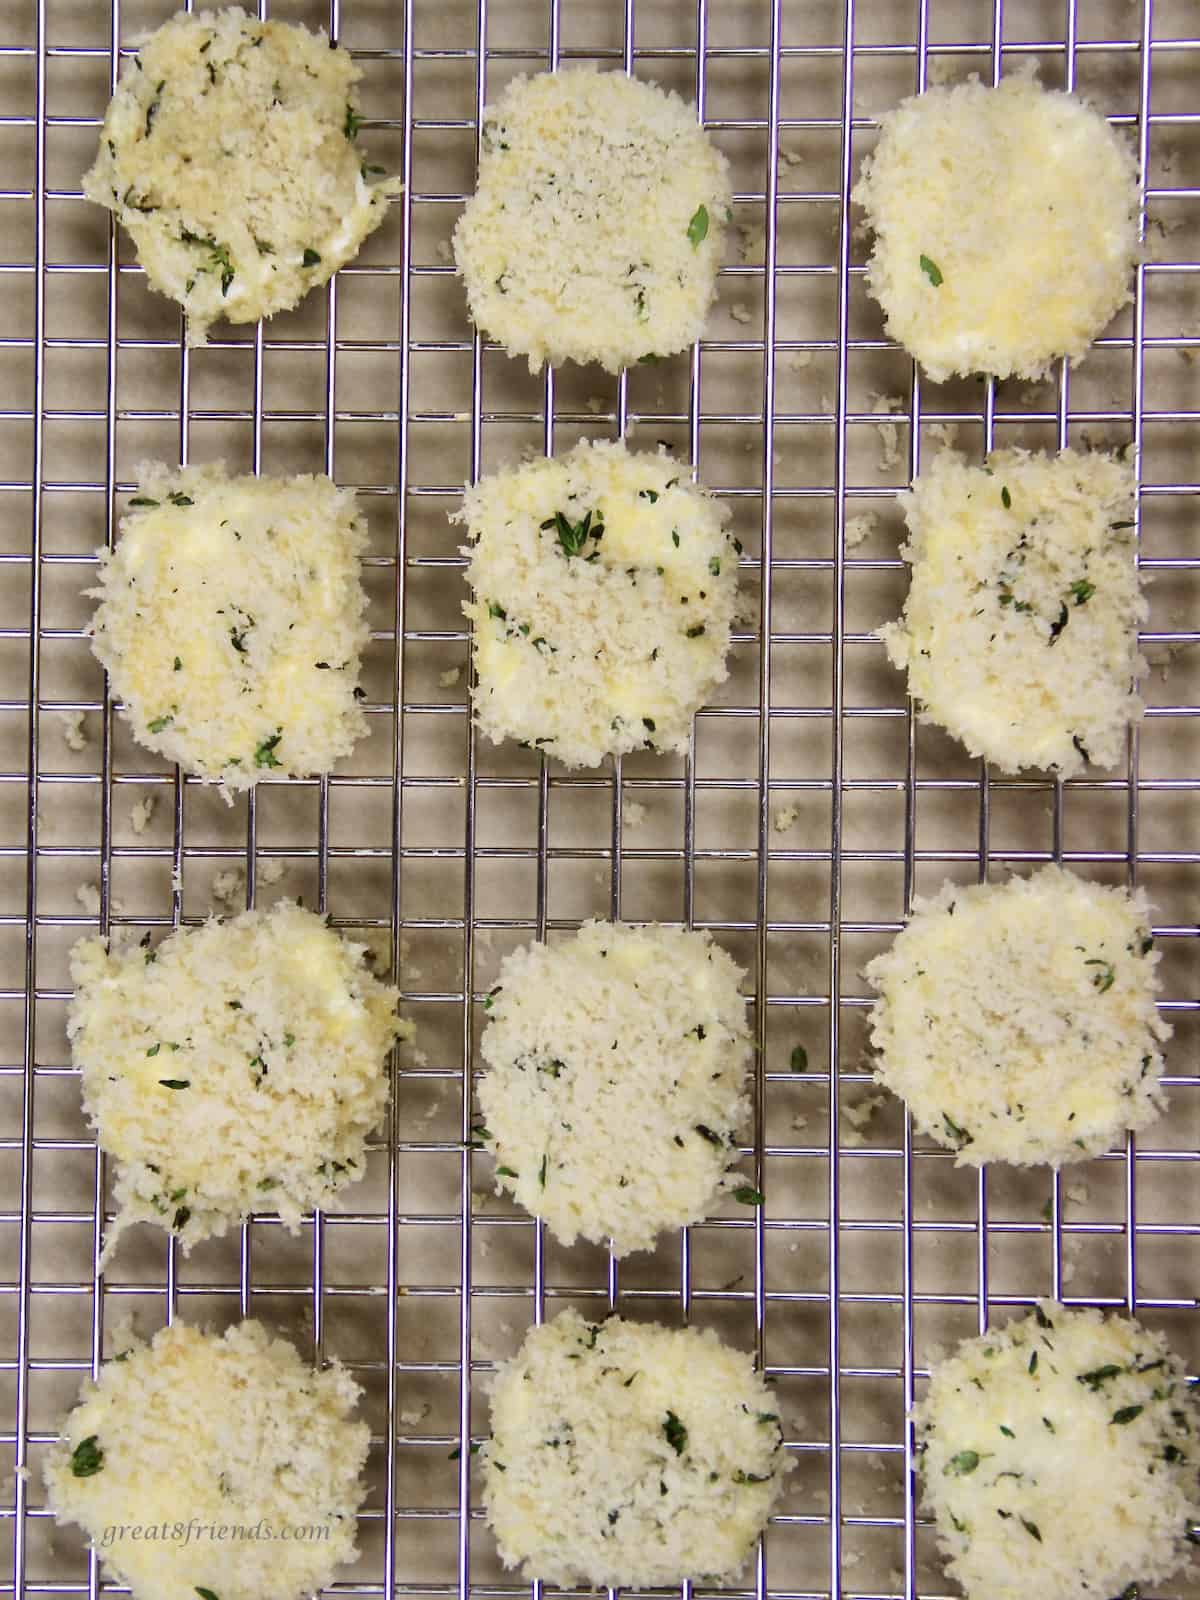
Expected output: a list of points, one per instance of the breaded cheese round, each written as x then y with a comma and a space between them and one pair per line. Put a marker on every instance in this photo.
616, 1080
595, 231
228, 154
624, 1453
604, 586
231, 620
1020, 630
238, 1067
1006, 226
1018, 1020
196, 1433
1058, 1457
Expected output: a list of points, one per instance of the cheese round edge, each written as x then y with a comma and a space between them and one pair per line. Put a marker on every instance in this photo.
1019, 633
596, 227
238, 1067
668, 1461
1005, 223
228, 154
231, 621
1018, 1020
1058, 1456
615, 646
616, 1080
195, 1432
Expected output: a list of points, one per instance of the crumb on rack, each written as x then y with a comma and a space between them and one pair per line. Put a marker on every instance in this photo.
74, 731
270, 870
859, 528
88, 896
633, 813
784, 817
229, 885
141, 812
450, 677
740, 312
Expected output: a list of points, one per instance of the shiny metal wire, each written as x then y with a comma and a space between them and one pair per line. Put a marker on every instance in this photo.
772, 40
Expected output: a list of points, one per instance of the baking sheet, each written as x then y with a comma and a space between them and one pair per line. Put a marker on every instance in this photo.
872, 1252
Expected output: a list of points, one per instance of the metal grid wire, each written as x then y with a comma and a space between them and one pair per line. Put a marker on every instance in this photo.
871, 1250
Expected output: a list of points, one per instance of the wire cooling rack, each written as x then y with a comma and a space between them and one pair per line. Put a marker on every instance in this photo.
810, 809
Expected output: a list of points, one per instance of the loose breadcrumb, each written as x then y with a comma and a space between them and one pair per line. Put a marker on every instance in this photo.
141, 812
229, 885
1019, 634
740, 312
74, 730
228, 153
616, 1077
633, 813
269, 870
88, 896
1005, 226
1058, 1457
784, 817
860, 528
238, 1067
629, 1454
596, 228
604, 586
450, 677
195, 1432
231, 621
1019, 1020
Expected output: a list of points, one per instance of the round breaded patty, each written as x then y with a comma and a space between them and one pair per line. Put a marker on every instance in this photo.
624, 1453
604, 586
223, 1467
1058, 1457
596, 226
238, 1067
1006, 226
1020, 630
616, 1076
231, 620
228, 154
1018, 1020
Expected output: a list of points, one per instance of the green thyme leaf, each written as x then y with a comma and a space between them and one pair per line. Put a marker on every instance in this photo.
1126, 1414
799, 1059
747, 1196
1005, 498
1032, 1529
142, 500
178, 498
1098, 1376
154, 1049
698, 227
963, 1463
1083, 591
206, 1594
311, 257
694, 633
352, 123
176, 1083
160, 723
87, 1458
676, 1433
264, 755
751, 1477
931, 271
506, 1172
